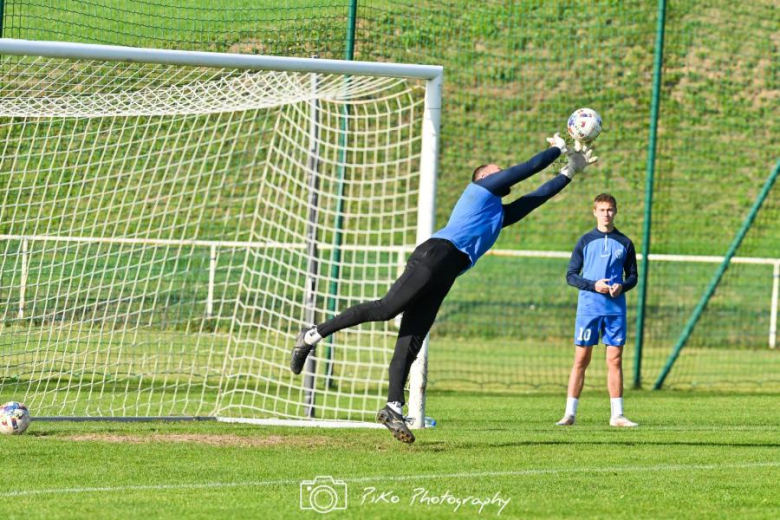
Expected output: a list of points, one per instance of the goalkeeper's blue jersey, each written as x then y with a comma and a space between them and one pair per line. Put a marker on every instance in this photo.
478, 216
475, 222
600, 255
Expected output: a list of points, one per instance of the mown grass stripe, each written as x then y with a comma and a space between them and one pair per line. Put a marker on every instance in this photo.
397, 478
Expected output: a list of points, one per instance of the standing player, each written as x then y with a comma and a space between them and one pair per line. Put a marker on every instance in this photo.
473, 228
598, 263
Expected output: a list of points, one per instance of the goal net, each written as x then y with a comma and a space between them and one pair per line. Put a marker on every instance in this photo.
170, 221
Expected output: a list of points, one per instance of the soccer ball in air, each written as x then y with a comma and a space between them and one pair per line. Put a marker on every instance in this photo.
14, 418
584, 125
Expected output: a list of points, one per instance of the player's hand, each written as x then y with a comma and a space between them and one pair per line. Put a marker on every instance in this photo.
615, 290
557, 140
579, 146
579, 160
602, 286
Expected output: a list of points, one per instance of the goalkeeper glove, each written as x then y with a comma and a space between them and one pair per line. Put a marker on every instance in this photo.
557, 140
579, 146
580, 159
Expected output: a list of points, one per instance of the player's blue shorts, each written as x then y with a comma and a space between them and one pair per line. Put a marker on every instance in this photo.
611, 328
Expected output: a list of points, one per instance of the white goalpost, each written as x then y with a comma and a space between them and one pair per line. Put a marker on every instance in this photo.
171, 219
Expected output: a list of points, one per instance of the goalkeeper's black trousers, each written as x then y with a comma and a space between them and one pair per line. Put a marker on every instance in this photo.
428, 277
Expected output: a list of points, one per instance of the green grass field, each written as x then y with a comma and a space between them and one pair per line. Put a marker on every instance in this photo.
695, 455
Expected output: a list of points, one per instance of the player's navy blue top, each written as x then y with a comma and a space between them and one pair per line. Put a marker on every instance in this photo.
479, 216
599, 255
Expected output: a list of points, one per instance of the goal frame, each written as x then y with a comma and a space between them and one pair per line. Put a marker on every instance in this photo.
430, 134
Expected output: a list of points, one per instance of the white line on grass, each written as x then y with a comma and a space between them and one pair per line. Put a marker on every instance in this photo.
717, 429
645, 428
384, 478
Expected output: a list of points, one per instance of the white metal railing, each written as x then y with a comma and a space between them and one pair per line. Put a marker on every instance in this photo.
400, 251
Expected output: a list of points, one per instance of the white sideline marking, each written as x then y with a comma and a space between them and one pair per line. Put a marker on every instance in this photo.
380, 478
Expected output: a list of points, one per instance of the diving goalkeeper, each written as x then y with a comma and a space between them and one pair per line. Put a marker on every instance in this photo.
473, 228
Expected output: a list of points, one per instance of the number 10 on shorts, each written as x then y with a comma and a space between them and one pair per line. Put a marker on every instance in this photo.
584, 334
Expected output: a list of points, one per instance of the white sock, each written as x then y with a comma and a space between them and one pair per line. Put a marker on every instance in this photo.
617, 406
395, 406
312, 337
571, 406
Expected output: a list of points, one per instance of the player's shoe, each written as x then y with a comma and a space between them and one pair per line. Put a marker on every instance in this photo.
568, 420
621, 422
396, 423
300, 352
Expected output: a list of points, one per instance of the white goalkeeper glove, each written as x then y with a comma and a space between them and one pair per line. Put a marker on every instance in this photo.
579, 146
579, 159
557, 140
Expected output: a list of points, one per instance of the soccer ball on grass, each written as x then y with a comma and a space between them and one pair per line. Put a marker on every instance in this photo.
14, 418
584, 125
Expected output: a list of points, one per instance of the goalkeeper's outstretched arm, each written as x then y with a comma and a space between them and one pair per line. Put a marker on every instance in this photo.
578, 160
499, 183
518, 209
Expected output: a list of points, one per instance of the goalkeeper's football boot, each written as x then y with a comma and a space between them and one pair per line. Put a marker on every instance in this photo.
300, 352
621, 422
568, 420
395, 422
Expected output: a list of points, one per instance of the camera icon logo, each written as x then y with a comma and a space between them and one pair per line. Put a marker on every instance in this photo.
323, 494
